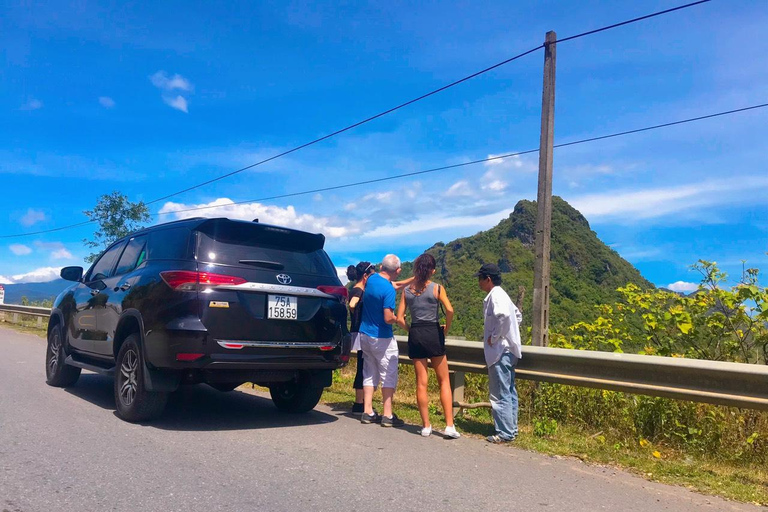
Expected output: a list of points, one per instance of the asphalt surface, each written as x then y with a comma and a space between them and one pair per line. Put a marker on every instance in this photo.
65, 449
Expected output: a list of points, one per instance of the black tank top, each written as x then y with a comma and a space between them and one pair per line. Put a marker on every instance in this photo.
356, 315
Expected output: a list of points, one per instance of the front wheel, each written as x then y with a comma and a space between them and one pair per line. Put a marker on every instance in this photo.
133, 401
295, 396
57, 373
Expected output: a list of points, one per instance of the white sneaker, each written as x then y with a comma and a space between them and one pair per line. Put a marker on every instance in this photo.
451, 432
426, 431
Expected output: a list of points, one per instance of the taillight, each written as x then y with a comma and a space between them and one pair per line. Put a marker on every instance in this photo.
188, 280
340, 291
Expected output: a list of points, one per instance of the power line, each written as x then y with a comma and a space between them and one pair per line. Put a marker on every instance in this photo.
633, 20
423, 96
350, 127
432, 170
427, 171
473, 162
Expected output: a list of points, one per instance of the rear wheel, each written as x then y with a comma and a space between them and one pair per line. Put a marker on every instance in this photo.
224, 386
56, 372
133, 401
295, 396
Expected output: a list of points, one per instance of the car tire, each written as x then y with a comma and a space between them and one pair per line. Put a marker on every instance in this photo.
132, 400
224, 387
57, 373
295, 396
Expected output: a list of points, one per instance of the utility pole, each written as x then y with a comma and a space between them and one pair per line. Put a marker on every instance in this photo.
540, 326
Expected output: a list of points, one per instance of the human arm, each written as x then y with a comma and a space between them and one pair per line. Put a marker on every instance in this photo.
401, 314
399, 285
442, 296
389, 307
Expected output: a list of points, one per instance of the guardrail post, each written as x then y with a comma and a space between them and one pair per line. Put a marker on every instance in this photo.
39, 322
457, 386
15, 318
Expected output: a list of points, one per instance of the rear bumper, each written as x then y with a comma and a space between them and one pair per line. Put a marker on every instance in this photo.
163, 347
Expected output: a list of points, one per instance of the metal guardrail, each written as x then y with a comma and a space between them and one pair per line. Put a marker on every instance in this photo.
714, 382
15, 311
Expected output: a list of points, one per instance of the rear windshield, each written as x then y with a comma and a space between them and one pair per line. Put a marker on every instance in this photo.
263, 247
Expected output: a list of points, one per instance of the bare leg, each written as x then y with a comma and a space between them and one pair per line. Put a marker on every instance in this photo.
368, 399
422, 398
359, 396
440, 364
386, 396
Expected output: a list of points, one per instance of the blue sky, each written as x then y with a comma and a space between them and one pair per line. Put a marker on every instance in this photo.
151, 98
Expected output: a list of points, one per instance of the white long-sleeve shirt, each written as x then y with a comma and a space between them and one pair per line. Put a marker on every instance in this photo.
501, 326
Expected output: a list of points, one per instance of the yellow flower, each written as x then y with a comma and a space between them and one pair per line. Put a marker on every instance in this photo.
644, 443
656, 454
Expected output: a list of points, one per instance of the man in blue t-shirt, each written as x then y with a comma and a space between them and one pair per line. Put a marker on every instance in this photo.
380, 354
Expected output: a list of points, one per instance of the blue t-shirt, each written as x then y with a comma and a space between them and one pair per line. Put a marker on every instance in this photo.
379, 294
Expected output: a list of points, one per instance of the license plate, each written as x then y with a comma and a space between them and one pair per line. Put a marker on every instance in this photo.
282, 307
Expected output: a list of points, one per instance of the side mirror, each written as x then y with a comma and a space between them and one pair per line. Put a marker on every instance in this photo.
72, 273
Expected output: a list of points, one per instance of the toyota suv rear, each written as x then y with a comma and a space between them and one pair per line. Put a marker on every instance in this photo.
203, 300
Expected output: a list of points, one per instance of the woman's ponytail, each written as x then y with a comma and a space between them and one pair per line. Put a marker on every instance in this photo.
352, 273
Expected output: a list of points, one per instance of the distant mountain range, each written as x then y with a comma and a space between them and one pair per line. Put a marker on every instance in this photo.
34, 292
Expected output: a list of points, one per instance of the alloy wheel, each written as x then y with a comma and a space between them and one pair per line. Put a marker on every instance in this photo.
129, 377
54, 348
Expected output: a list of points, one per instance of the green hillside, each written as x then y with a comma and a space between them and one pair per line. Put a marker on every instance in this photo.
585, 271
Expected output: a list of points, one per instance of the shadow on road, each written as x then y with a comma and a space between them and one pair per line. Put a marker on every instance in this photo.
202, 408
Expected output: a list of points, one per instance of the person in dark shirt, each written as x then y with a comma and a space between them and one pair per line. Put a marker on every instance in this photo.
358, 274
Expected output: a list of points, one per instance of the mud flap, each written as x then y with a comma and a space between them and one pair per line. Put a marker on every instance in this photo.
158, 380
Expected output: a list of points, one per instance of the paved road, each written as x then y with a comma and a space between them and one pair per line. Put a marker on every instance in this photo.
64, 450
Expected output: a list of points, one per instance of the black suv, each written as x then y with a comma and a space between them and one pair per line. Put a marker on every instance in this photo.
203, 300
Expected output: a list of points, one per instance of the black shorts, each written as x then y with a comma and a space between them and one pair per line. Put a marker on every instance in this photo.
426, 340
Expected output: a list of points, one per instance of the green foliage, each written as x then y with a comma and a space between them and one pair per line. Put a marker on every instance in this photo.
716, 323
117, 217
544, 427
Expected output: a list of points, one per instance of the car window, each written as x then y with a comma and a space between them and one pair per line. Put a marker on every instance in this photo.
169, 244
131, 255
237, 244
103, 266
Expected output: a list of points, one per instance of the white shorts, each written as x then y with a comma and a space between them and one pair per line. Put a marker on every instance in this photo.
379, 361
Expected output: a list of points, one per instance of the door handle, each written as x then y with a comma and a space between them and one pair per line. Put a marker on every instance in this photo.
125, 286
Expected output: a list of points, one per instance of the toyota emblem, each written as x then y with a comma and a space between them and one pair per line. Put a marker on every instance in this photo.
283, 279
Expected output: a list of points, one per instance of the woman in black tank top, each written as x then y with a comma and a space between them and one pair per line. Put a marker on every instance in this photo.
426, 339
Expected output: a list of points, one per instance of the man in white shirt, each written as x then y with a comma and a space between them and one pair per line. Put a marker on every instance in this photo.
501, 343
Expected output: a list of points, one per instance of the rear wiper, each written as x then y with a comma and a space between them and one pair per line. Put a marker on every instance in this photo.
264, 263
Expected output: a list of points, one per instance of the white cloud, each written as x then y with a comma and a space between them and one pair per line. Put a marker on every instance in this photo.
40, 275
57, 250
433, 222
683, 287
106, 101
32, 217
288, 217
631, 205
162, 81
20, 249
459, 189
170, 84
496, 186
32, 104
5, 280
342, 273
61, 254
179, 103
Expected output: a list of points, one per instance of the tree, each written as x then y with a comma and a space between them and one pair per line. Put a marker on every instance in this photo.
117, 217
